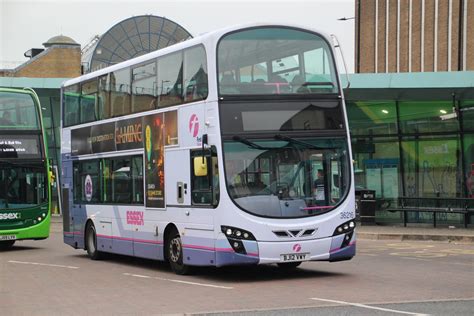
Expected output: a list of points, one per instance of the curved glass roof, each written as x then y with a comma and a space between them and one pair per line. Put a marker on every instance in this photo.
131, 38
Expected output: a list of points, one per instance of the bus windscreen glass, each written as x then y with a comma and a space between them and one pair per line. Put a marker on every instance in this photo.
18, 111
286, 177
275, 60
22, 184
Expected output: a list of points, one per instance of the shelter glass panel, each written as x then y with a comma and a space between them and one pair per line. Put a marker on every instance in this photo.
372, 117
469, 163
467, 110
427, 117
377, 166
432, 166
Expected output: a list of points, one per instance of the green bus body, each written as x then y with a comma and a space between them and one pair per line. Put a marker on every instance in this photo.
25, 180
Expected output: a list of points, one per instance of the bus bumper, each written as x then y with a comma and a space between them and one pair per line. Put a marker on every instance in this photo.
335, 248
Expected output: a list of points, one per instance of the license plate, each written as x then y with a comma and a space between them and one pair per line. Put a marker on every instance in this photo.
294, 257
7, 237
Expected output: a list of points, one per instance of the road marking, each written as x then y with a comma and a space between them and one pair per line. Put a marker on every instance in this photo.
367, 306
179, 281
44, 264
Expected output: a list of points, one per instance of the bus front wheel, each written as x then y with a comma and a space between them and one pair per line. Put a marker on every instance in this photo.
5, 245
91, 243
175, 254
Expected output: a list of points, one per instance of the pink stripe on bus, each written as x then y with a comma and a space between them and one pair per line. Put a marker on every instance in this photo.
131, 239
337, 249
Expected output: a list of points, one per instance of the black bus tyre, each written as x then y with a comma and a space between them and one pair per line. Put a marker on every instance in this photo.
5, 245
287, 266
174, 249
91, 243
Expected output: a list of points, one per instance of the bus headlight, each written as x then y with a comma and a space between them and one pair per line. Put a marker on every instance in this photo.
237, 233
344, 228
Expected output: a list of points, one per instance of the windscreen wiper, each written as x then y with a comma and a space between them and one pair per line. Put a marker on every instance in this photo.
320, 83
248, 143
299, 142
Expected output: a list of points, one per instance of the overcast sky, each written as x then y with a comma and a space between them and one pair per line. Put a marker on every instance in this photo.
27, 24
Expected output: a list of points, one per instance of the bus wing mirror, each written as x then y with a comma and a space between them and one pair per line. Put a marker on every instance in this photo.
204, 144
200, 167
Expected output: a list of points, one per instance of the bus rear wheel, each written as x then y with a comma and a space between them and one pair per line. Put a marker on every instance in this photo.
175, 254
5, 245
91, 243
287, 266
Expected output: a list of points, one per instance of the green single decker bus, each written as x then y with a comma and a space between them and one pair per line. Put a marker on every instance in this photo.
25, 191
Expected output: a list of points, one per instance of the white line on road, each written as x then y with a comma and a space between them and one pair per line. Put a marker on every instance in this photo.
179, 281
44, 264
367, 306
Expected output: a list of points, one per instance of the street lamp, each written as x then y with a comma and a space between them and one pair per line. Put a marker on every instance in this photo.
345, 19
357, 39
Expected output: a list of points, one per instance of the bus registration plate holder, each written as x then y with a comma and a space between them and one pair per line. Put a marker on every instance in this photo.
291, 257
7, 237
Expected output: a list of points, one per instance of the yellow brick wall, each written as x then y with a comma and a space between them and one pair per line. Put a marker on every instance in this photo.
55, 62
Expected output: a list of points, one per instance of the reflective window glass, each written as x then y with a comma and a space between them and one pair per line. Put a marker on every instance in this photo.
120, 92
71, 96
144, 95
274, 60
122, 180
88, 101
195, 74
170, 80
18, 111
104, 97
86, 182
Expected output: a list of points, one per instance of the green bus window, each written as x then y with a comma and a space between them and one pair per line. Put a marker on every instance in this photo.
195, 74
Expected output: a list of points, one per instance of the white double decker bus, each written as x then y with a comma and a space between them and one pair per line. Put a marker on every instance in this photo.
230, 148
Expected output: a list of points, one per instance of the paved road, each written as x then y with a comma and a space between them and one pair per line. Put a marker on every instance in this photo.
386, 278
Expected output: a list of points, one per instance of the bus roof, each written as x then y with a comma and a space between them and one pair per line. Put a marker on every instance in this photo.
211, 36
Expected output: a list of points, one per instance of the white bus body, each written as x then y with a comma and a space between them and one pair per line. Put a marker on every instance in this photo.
132, 183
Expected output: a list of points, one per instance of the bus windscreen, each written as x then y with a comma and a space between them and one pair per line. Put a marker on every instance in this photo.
275, 60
